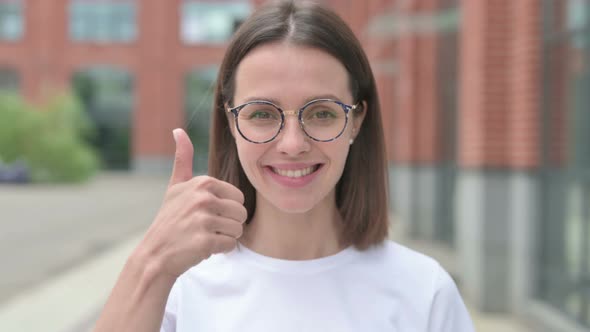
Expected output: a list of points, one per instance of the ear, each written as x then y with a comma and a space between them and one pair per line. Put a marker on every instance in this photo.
358, 118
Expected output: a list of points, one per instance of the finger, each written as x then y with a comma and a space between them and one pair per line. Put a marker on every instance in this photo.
223, 243
228, 191
228, 227
232, 209
183, 158
223, 189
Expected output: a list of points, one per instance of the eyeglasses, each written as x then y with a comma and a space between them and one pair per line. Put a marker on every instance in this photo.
261, 121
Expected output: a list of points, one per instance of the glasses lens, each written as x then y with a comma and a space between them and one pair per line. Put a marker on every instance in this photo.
259, 122
324, 120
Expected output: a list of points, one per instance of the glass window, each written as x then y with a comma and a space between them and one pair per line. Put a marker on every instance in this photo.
211, 22
564, 275
577, 21
104, 21
199, 88
11, 20
9, 80
107, 95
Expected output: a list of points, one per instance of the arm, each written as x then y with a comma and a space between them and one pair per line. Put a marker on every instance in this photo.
138, 299
448, 312
200, 216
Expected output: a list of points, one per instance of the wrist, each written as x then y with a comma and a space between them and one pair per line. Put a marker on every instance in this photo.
149, 267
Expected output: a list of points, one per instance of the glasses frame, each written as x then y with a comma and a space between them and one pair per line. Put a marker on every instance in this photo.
299, 113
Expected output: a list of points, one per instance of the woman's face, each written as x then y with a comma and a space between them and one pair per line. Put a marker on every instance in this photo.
293, 172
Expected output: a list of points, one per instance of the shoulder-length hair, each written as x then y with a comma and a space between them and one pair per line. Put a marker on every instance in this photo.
361, 193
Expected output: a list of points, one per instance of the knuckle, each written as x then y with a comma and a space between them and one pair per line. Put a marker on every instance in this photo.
243, 214
242, 198
205, 182
207, 224
205, 200
174, 190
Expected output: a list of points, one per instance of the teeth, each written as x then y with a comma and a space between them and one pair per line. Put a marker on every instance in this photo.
294, 173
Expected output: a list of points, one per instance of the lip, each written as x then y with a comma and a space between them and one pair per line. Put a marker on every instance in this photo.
293, 182
292, 166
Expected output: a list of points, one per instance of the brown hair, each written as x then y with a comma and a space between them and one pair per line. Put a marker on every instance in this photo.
361, 193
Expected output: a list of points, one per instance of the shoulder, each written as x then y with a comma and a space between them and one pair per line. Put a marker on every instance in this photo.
408, 271
210, 272
402, 260
214, 268
424, 284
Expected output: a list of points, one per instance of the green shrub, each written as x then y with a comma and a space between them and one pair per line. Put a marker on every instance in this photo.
51, 139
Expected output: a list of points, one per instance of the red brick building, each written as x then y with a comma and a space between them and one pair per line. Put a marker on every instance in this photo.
485, 107
47, 54
487, 115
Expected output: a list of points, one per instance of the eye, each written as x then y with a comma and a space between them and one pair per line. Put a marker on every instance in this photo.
320, 114
259, 113
324, 114
262, 115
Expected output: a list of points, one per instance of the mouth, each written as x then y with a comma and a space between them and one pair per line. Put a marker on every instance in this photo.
296, 173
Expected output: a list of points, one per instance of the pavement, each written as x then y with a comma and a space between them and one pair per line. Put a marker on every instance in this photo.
61, 246
483, 321
65, 246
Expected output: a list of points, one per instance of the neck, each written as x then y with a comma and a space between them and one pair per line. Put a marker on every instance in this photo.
294, 236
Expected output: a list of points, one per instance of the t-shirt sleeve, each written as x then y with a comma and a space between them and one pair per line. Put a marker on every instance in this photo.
169, 320
448, 312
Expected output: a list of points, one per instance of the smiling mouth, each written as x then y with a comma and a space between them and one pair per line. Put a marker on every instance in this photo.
296, 173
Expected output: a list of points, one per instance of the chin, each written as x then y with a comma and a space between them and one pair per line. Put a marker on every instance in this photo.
293, 205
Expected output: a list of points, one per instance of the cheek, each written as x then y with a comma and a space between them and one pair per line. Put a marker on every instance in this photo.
338, 154
249, 154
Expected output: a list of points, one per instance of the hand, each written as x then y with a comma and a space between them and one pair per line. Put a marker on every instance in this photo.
200, 216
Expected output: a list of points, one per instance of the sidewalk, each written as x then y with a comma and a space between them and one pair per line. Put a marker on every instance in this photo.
62, 246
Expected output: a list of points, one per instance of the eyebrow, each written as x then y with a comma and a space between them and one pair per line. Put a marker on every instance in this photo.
307, 100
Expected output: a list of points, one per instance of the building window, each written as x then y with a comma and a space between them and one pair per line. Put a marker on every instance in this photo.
564, 274
107, 95
11, 20
103, 21
9, 80
211, 22
198, 102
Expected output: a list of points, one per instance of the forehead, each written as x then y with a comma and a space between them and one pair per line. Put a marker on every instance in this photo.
290, 74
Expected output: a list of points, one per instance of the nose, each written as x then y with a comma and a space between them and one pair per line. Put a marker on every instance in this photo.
292, 141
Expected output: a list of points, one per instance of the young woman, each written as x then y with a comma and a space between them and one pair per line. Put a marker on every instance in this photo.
289, 230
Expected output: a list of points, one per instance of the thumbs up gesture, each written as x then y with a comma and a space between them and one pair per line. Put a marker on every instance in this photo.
199, 216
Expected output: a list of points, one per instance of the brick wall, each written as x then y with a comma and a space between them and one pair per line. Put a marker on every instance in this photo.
499, 124
525, 79
46, 60
499, 66
381, 51
414, 127
557, 85
500, 71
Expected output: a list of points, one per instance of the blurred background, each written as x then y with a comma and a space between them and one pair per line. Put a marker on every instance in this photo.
486, 108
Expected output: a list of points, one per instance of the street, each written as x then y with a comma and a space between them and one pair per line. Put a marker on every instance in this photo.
47, 229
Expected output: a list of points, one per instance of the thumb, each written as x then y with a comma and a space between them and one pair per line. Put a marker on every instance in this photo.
183, 158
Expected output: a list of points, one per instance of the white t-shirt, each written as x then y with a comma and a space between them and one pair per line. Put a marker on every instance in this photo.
386, 288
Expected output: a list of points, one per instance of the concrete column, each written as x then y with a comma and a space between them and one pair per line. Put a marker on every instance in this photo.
403, 197
498, 204
496, 218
